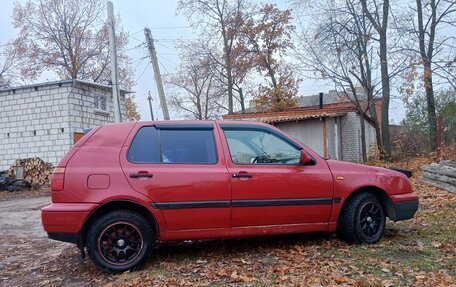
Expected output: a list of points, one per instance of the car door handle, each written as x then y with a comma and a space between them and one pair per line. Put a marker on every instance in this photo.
139, 175
241, 175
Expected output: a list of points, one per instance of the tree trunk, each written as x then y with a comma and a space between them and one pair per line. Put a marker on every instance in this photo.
229, 84
381, 26
386, 142
228, 68
272, 76
432, 118
373, 115
363, 136
241, 99
426, 56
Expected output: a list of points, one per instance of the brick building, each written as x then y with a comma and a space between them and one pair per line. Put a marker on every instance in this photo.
44, 120
330, 128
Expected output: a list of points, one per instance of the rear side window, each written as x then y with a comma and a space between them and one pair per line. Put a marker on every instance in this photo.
145, 147
152, 145
188, 146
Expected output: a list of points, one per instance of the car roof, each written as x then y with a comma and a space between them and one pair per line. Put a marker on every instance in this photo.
188, 122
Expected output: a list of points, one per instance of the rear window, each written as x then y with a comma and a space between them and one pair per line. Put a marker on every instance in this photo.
173, 146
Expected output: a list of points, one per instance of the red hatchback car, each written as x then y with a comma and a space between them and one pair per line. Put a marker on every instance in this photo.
124, 187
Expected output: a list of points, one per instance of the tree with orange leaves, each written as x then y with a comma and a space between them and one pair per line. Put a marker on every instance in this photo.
265, 41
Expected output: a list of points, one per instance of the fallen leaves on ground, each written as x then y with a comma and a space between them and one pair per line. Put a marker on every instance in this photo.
417, 252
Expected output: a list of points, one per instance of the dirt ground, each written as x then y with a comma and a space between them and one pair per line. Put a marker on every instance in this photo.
417, 252
29, 258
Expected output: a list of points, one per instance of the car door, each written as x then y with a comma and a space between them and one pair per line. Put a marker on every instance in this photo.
269, 186
180, 168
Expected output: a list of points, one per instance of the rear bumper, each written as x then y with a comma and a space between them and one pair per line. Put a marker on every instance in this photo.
64, 237
404, 206
65, 218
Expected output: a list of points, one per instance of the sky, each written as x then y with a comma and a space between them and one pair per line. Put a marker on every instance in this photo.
167, 28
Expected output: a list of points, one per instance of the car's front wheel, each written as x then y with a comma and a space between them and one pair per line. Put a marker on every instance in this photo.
120, 241
362, 219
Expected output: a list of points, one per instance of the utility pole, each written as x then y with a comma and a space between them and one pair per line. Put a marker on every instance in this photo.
149, 98
158, 80
113, 56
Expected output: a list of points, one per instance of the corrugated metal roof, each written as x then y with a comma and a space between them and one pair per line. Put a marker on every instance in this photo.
329, 110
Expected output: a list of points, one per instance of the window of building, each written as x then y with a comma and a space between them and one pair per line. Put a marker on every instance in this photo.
100, 102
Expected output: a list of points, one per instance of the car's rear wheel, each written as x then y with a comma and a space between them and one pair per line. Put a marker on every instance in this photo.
120, 241
362, 219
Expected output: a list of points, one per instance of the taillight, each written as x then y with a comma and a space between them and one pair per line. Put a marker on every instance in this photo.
58, 179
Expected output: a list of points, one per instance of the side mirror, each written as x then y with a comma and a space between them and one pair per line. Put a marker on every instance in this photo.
306, 159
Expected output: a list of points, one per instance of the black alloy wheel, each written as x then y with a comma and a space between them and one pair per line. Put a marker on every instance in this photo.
119, 241
362, 219
370, 219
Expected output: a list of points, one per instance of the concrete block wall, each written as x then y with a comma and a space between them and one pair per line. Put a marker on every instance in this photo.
40, 121
350, 133
34, 123
83, 114
351, 137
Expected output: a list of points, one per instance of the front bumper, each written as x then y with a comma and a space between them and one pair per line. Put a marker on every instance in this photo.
404, 206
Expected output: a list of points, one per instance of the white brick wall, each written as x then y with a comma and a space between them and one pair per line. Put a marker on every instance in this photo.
39, 121
351, 137
350, 141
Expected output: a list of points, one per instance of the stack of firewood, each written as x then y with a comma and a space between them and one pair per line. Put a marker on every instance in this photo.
441, 174
35, 170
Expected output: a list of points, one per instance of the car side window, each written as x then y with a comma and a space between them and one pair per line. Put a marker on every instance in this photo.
145, 146
260, 147
188, 146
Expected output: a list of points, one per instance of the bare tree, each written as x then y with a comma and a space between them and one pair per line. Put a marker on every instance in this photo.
8, 60
340, 47
377, 13
430, 16
222, 20
69, 38
195, 91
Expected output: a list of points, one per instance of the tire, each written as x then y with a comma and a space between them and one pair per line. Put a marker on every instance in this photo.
119, 241
362, 220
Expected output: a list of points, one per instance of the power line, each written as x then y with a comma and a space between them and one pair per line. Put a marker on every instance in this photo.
164, 58
130, 36
136, 32
136, 47
140, 61
166, 70
166, 46
142, 72
171, 27
173, 40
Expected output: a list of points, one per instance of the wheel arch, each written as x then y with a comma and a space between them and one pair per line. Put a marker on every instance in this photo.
112, 206
381, 195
